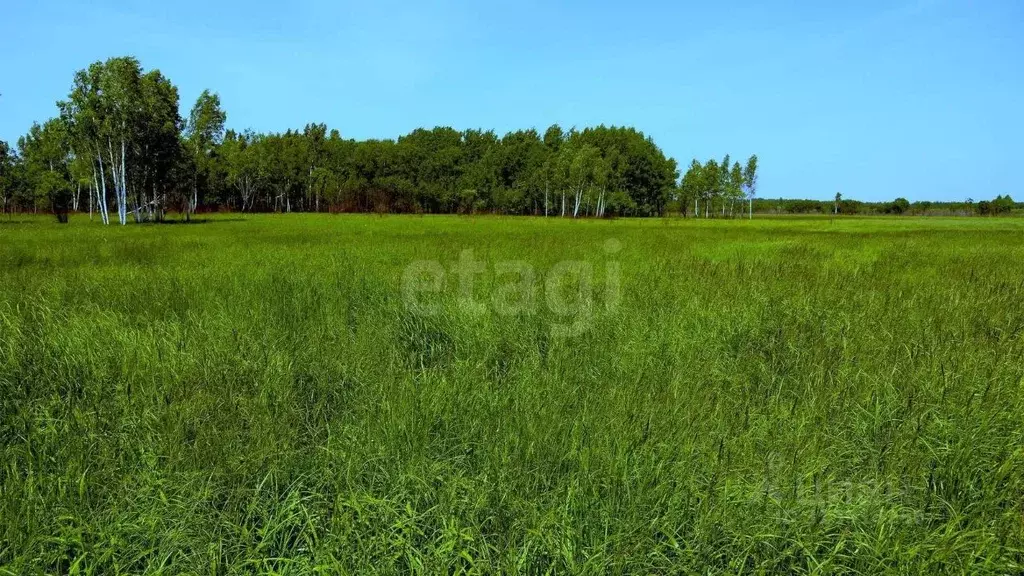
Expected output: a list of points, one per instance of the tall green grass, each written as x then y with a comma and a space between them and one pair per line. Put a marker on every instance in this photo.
257, 396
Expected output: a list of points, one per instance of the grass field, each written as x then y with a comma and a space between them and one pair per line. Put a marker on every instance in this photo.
289, 394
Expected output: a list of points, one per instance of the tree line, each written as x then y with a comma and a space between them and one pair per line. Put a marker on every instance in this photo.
714, 184
120, 150
1002, 205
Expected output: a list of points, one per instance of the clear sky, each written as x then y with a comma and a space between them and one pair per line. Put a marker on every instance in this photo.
914, 98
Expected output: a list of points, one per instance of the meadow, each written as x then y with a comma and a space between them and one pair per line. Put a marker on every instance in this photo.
318, 394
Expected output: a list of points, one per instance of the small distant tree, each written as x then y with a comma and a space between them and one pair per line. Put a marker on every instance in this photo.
750, 181
1002, 204
691, 188
7, 161
849, 206
724, 181
899, 206
736, 188
835, 208
710, 184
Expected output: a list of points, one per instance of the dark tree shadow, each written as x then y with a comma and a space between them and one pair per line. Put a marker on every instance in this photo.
177, 222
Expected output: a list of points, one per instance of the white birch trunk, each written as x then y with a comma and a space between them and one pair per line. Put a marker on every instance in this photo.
124, 188
101, 191
116, 177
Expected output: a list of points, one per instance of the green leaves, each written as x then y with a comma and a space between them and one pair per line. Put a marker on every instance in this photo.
126, 141
206, 122
130, 117
750, 176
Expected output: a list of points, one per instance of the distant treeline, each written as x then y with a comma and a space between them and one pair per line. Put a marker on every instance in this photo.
120, 150
1000, 206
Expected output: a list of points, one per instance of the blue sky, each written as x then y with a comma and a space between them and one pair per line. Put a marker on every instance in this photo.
921, 98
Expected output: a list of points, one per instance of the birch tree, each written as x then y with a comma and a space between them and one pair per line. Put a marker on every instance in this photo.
157, 145
691, 187
7, 161
750, 182
126, 124
710, 184
735, 188
204, 132
724, 182
83, 112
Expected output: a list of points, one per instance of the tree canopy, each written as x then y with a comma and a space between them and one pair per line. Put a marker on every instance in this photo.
120, 146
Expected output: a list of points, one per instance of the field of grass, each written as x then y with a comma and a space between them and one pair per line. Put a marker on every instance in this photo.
284, 394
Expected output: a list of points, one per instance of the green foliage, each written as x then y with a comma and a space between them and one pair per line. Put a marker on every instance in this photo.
123, 124
203, 133
205, 127
126, 143
784, 396
856, 207
899, 206
1000, 205
119, 141
714, 186
444, 170
8, 163
750, 176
